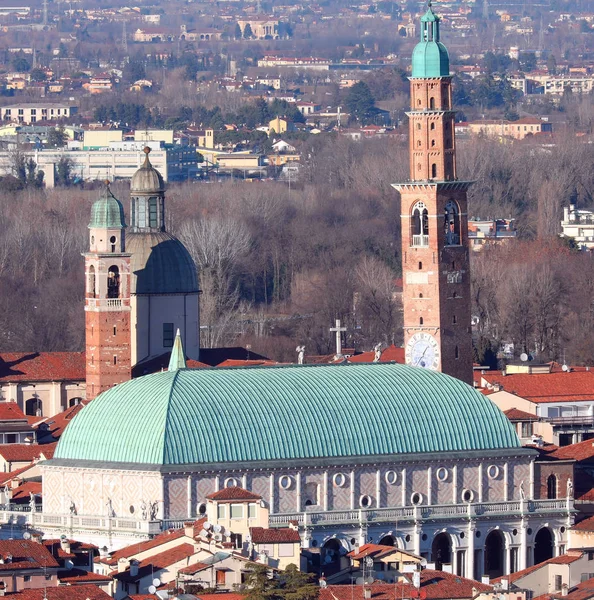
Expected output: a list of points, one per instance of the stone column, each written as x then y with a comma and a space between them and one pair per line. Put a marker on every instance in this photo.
298, 491
429, 485
505, 482
217, 483
352, 490
455, 484
325, 498
189, 494
522, 563
378, 488
417, 535
471, 533
404, 487
481, 482
531, 491
271, 492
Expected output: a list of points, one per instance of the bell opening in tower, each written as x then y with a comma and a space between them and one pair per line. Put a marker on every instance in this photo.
113, 282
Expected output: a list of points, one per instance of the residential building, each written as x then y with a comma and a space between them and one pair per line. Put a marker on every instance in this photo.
483, 232
561, 399
26, 564
578, 225
517, 130
33, 113
14, 426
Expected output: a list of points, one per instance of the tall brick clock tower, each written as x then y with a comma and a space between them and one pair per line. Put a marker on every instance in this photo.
435, 257
107, 297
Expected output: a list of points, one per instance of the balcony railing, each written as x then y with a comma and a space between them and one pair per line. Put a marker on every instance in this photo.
420, 240
571, 420
411, 513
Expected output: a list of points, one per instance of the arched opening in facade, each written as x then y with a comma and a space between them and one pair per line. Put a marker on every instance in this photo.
543, 545
73, 402
33, 407
552, 487
332, 550
452, 224
91, 284
433, 171
387, 540
311, 494
432, 103
494, 557
113, 282
419, 225
441, 551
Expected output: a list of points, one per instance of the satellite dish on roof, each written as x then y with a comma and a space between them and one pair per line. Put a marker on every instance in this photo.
359, 581
565, 368
152, 589
369, 579
217, 528
523, 357
156, 582
207, 525
323, 583
26, 535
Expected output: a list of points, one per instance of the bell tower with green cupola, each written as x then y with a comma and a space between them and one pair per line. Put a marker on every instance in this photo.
435, 257
107, 297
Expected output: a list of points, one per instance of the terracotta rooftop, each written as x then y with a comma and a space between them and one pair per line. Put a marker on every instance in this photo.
157, 562
515, 414
26, 554
582, 591
390, 354
42, 366
541, 388
20, 494
435, 585
67, 592
580, 451
6, 477
282, 535
76, 576
233, 493
55, 425
10, 411
564, 559
373, 550
26, 452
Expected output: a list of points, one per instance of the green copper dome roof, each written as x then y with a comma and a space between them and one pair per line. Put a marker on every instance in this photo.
430, 57
107, 212
205, 416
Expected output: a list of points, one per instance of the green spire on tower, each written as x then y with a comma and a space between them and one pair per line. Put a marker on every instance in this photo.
177, 360
430, 57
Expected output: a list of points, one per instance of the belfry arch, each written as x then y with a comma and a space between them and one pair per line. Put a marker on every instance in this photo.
544, 544
441, 550
494, 554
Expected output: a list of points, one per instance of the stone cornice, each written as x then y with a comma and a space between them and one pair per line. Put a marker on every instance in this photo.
429, 186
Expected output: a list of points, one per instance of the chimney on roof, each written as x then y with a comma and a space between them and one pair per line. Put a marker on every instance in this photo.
65, 544
505, 585
133, 568
367, 593
123, 564
564, 589
486, 580
36, 537
103, 553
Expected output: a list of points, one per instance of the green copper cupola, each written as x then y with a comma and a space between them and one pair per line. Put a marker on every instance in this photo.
430, 57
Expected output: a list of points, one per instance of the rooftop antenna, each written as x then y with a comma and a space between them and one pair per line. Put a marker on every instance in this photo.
45, 13
486, 10
258, 7
541, 35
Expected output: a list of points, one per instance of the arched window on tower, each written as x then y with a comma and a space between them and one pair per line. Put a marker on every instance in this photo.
113, 282
419, 225
91, 290
433, 171
432, 103
141, 212
452, 224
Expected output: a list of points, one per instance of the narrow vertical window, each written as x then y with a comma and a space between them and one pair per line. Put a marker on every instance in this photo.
456, 353
433, 171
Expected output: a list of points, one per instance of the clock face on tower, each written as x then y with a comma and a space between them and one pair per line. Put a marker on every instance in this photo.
422, 350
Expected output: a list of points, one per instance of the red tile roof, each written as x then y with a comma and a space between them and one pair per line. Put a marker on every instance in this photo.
42, 366
78, 576
436, 585
76, 547
585, 525
564, 559
390, 354
230, 362
26, 554
233, 493
77, 592
10, 411
223, 596
515, 414
6, 477
20, 494
373, 550
580, 451
582, 591
282, 535
195, 568
57, 424
158, 562
541, 388
26, 452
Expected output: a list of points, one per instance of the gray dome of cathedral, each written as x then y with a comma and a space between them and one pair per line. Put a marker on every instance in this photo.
147, 179
160, 264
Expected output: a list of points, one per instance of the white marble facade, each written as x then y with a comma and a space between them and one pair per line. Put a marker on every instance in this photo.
408, 502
